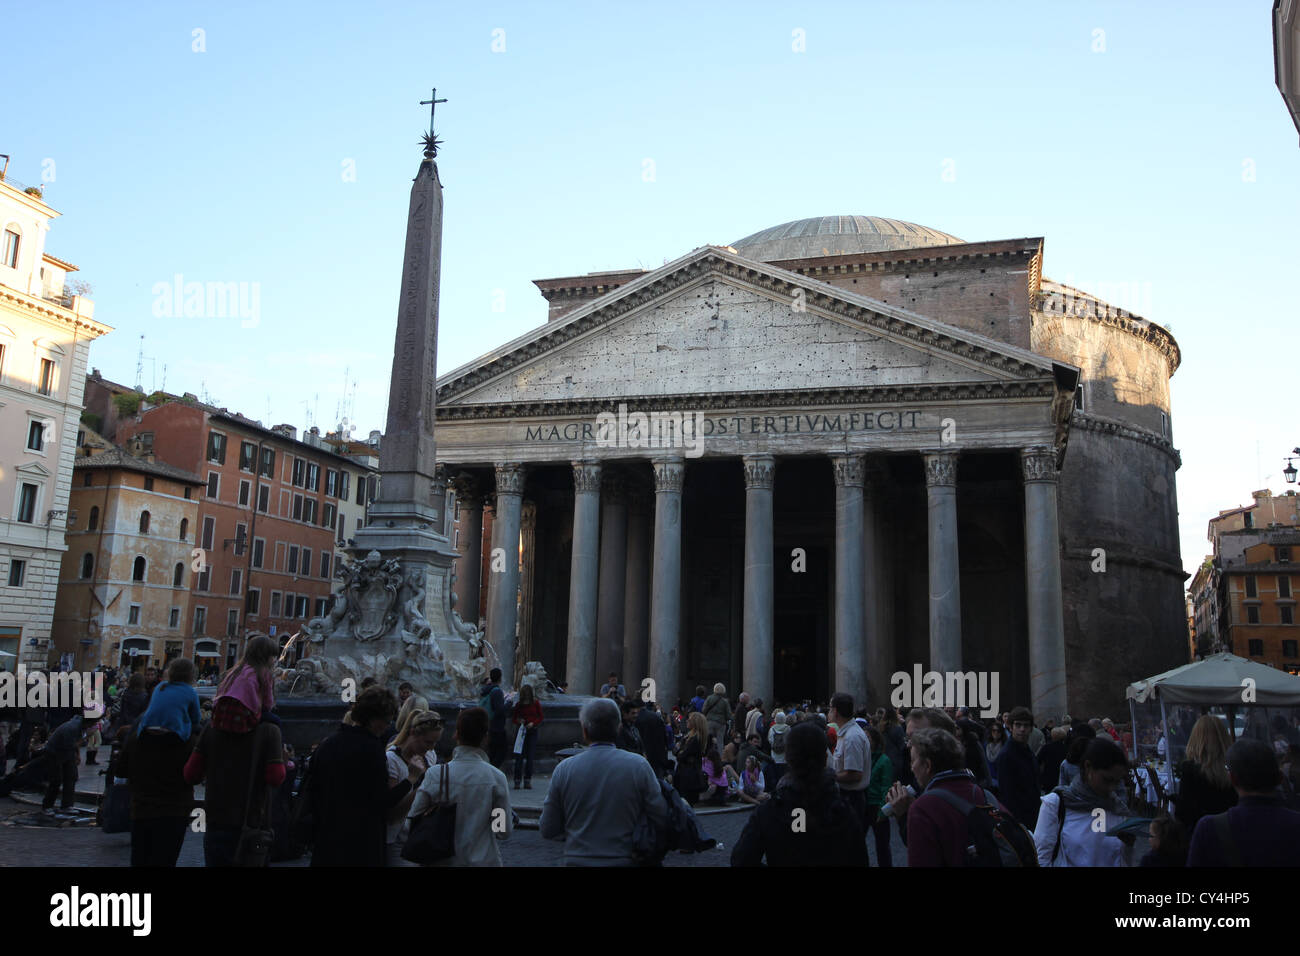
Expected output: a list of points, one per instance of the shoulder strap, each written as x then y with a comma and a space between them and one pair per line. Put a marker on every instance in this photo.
1223, 830
1060, 822
965, 806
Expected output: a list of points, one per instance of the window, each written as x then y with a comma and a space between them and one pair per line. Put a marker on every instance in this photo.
372, 487
46, 383
174, 618
320, 607
12, 242
300, 607
1283, 586
148, 484
361, 490
1287, 614
331, 482
88, 478
299, 472
35, 436
259, 551
343, 485
325, 565
1252, 589
288, 604
297, 507
27, 503
87, 565
178, 575
232, 623
185, 527
133, 615
188, 492
252, 601
328, 517
1164, 425
205, 578
275, 604
217, 447
214, 484
309, 508
200, 620
244, 489
263, 498
247, 455
1283, 555
1252, 615
306, 562
144, 522
292, 565
236, 581
1290, 648
16, 570
267, 469
1248, 519
93, 523
313, 476
241, 539
209, 531
1256, 648
138, 568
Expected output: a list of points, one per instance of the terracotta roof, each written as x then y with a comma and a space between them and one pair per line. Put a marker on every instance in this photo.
119, 458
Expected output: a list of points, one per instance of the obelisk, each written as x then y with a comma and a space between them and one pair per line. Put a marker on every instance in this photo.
407, 520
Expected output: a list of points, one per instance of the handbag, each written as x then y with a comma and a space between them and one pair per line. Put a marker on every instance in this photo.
519, 740
433, 833
256, 838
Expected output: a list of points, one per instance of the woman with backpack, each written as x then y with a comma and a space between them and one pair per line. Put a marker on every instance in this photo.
717, 711
1065, 834
777, 737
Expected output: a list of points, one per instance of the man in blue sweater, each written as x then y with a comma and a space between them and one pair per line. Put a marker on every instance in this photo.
1017, 771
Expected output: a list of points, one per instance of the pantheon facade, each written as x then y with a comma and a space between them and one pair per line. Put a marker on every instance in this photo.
833, 451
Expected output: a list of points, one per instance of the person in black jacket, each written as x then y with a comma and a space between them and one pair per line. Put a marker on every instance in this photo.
654, 738
1018, 771
1203, 784
807, 822
1050, 759
349, 788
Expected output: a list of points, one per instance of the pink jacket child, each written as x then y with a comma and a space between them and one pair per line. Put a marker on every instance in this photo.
245, 698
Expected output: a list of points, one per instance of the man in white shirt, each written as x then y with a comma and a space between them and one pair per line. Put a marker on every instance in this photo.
852, 758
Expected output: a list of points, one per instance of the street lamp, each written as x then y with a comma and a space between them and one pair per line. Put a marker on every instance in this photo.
1290, 469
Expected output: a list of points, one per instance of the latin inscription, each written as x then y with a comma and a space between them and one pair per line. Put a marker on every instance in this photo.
747, 425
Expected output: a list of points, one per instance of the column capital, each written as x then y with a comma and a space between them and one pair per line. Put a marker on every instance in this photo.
848, 470
941, 469
586, 476
1038, 463
528, 516
510, 477
760, 470
669, 474
468, 488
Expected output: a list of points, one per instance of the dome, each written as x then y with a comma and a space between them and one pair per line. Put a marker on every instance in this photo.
837, 235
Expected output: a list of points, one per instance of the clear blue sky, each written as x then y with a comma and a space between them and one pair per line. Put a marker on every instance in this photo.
228, 166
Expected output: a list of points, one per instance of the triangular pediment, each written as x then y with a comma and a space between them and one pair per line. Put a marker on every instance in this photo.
33, 468
715, 323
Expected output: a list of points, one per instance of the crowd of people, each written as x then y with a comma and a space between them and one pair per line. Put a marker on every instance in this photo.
823, 779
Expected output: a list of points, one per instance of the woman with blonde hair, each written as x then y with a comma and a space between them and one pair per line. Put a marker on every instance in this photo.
413, 747
689, 778
415, 704
1203, 784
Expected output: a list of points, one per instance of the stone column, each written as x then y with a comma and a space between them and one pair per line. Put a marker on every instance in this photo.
636, 593
878, 655
945, 568
666, 585
470, 498
527, 571
584, 578
1047, 688
759, 651
503, 578
849, 619
613, 579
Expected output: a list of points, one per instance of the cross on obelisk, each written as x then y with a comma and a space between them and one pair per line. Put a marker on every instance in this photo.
432, 102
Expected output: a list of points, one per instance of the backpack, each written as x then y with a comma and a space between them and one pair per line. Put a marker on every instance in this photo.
997, 839
486, 701
651, 844
778, 739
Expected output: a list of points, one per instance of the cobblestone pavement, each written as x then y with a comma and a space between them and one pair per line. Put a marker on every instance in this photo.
89, 846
